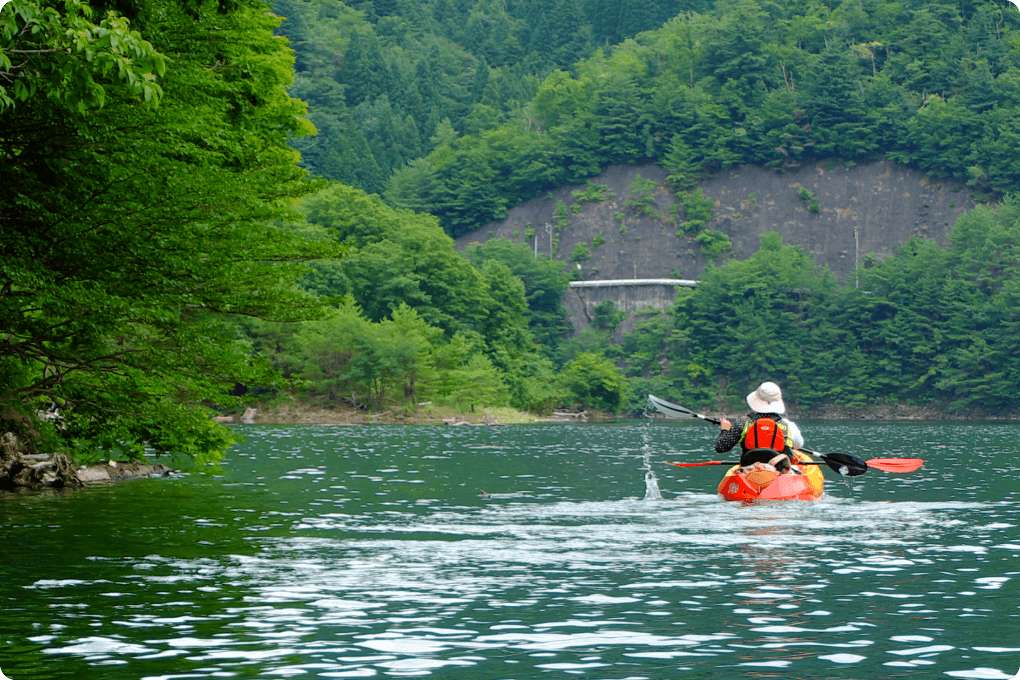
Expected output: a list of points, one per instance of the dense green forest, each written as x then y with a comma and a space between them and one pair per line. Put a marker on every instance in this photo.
389, 81
929, 325
416, 320
163, 254
931, 84
776, 84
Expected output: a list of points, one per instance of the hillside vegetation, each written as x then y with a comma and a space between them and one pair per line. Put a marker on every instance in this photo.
933, 85
389, 81
778, 85
927, 325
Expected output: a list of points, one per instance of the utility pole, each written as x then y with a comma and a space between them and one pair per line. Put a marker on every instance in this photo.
548, 230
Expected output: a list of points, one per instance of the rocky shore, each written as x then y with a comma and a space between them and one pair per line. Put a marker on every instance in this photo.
33, 471
302, 413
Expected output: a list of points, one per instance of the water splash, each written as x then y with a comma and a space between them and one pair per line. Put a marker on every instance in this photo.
652, 492
652, 487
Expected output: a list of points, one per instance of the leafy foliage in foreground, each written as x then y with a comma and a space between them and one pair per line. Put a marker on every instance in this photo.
132, 235
927, 325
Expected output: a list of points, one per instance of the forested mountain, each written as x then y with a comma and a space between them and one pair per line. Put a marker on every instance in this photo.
934, 85
388, 81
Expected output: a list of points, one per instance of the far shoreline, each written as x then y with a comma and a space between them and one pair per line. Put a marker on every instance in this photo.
39, 471
303, 413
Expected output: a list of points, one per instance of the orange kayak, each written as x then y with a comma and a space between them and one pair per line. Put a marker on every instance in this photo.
763, 482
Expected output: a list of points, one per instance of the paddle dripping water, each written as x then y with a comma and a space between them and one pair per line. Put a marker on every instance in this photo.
521, 552
652, 492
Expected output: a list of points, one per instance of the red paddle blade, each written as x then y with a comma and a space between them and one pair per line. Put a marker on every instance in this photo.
895, 464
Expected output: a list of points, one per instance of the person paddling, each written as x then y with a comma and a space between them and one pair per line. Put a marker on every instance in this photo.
764, 434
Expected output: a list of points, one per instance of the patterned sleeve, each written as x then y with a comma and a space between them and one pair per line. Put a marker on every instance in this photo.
729, 438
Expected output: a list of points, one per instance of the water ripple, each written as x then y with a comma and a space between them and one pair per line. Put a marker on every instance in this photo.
528, 552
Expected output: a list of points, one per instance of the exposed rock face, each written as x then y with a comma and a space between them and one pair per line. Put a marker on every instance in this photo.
861, 209
864, 209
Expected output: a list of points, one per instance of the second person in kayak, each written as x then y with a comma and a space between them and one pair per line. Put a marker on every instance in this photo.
765, 427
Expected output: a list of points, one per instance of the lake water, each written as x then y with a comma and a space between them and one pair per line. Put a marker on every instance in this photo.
558, 551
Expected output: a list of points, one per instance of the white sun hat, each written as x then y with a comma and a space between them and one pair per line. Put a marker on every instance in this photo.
768, 398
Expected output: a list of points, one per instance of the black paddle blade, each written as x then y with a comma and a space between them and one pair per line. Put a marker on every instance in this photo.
846, 465
671, 410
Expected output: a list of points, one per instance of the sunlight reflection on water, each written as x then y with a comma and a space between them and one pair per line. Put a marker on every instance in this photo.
528, 551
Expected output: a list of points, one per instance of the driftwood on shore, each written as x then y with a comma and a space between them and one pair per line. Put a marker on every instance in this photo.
23, 470
487, 419
567, 417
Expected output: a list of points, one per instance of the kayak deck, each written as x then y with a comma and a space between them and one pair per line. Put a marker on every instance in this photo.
761, 482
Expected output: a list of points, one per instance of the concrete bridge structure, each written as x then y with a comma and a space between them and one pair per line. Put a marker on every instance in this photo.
628, 295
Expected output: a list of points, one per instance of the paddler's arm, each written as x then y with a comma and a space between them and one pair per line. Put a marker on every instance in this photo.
794, 433
729, 436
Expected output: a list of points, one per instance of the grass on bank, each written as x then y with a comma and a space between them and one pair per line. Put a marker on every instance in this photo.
296, 411
504, 415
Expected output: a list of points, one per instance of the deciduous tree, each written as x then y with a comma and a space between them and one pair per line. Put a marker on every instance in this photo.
131, 235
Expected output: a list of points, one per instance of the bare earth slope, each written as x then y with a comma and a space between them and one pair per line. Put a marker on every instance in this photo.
863, 209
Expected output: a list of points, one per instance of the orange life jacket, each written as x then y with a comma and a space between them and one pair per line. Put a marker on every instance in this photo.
765, 433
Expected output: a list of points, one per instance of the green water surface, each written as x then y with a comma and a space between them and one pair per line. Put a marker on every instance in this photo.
522, 552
